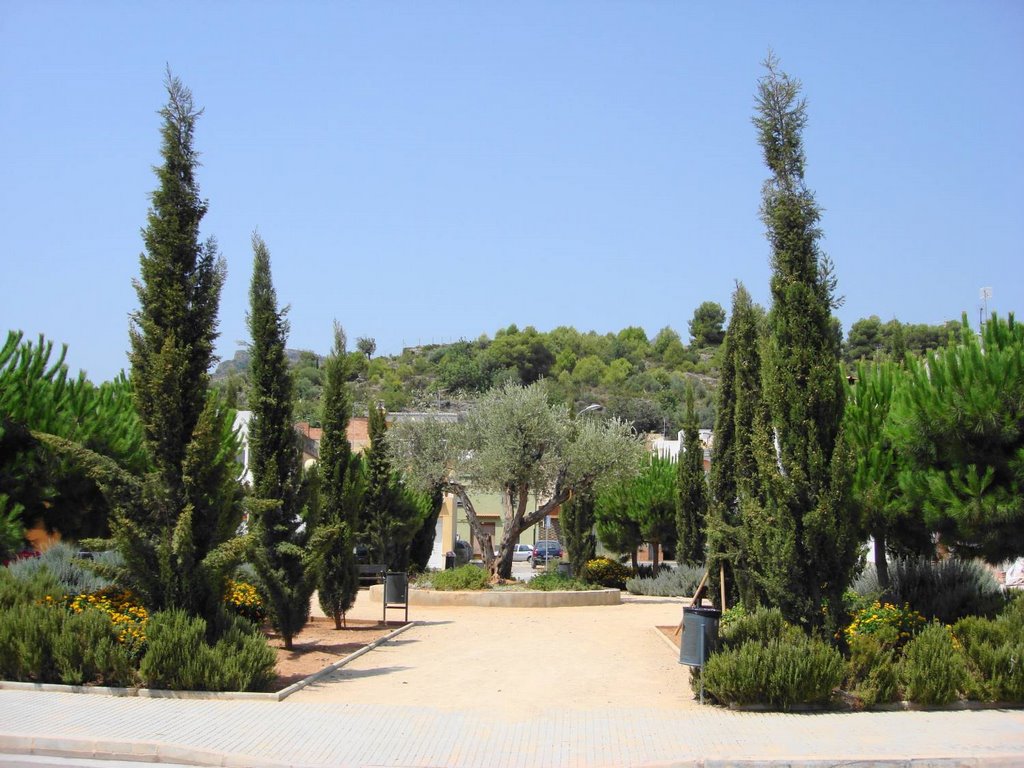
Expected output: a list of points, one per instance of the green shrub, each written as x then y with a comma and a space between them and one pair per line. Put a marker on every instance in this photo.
782, 672
554, 582
87, 650
74, 574
731, 616
47, 643
244, 661
179, 658
1013, 611
872, 669
762, 625
995, 649
861, 595
463, 577
945, 591
933, 670
27, 587
606, 572
27, 635
680, 582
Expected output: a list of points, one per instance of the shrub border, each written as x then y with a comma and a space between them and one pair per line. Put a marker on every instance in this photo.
153, 693
845, 703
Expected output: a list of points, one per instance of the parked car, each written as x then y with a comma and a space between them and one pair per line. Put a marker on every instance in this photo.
521, 552
546, 550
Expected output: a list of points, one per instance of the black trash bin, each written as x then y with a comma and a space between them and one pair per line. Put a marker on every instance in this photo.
700, 635
449, 561
396, 592
396, 587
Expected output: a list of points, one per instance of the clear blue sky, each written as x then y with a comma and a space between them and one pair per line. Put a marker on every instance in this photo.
425, 171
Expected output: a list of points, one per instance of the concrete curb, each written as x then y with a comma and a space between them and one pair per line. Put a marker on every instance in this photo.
161, 752
152, 693
506, 599
140, 751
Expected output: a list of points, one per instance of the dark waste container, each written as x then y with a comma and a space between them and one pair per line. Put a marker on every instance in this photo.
700, 634
449, 560
564, 569
396, 587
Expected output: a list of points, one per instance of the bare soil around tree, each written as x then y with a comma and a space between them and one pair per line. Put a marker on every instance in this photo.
319, 645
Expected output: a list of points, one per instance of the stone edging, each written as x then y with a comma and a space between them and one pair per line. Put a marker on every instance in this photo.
150, 693
487, 598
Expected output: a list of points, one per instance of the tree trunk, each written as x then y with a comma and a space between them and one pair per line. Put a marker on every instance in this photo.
881, 564
337, 619
636, 563
482, 536
654, 561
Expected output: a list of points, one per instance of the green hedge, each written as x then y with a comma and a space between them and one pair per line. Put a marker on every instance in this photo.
464, 577
783, 672
46, 643
933, 670
606, 572
178, 656
995, 651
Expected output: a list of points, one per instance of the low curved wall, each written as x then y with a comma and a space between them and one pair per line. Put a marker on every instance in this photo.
487, 598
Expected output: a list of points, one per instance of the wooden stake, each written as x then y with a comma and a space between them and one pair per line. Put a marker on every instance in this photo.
721, 581
695, 599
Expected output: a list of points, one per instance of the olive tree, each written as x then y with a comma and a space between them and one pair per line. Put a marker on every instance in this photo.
515, 443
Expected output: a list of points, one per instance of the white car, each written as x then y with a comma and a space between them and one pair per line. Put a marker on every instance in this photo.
521, 552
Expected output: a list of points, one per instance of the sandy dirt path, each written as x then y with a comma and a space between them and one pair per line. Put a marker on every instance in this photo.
521, 661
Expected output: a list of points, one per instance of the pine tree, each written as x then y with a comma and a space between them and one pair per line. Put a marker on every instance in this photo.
342, 487
279, 530
804, 533
176, 530
692, 500
959, 425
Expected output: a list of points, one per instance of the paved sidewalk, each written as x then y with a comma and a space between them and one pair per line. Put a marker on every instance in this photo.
615, 697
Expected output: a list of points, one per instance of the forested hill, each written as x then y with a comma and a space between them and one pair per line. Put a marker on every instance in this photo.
633, 376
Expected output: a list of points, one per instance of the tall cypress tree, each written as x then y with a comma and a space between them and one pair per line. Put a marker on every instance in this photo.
805, 536
692, 500
733, 468
274, 458
392, 515
341, 493
577, 519
178, 543
179, 287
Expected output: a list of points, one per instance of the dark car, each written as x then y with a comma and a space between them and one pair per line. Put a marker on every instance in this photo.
546, 550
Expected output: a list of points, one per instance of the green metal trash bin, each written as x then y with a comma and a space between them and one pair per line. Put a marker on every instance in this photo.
700, 635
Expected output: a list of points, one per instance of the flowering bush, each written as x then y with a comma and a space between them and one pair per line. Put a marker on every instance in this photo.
128, 616
884, 619
242, 598
606, 572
